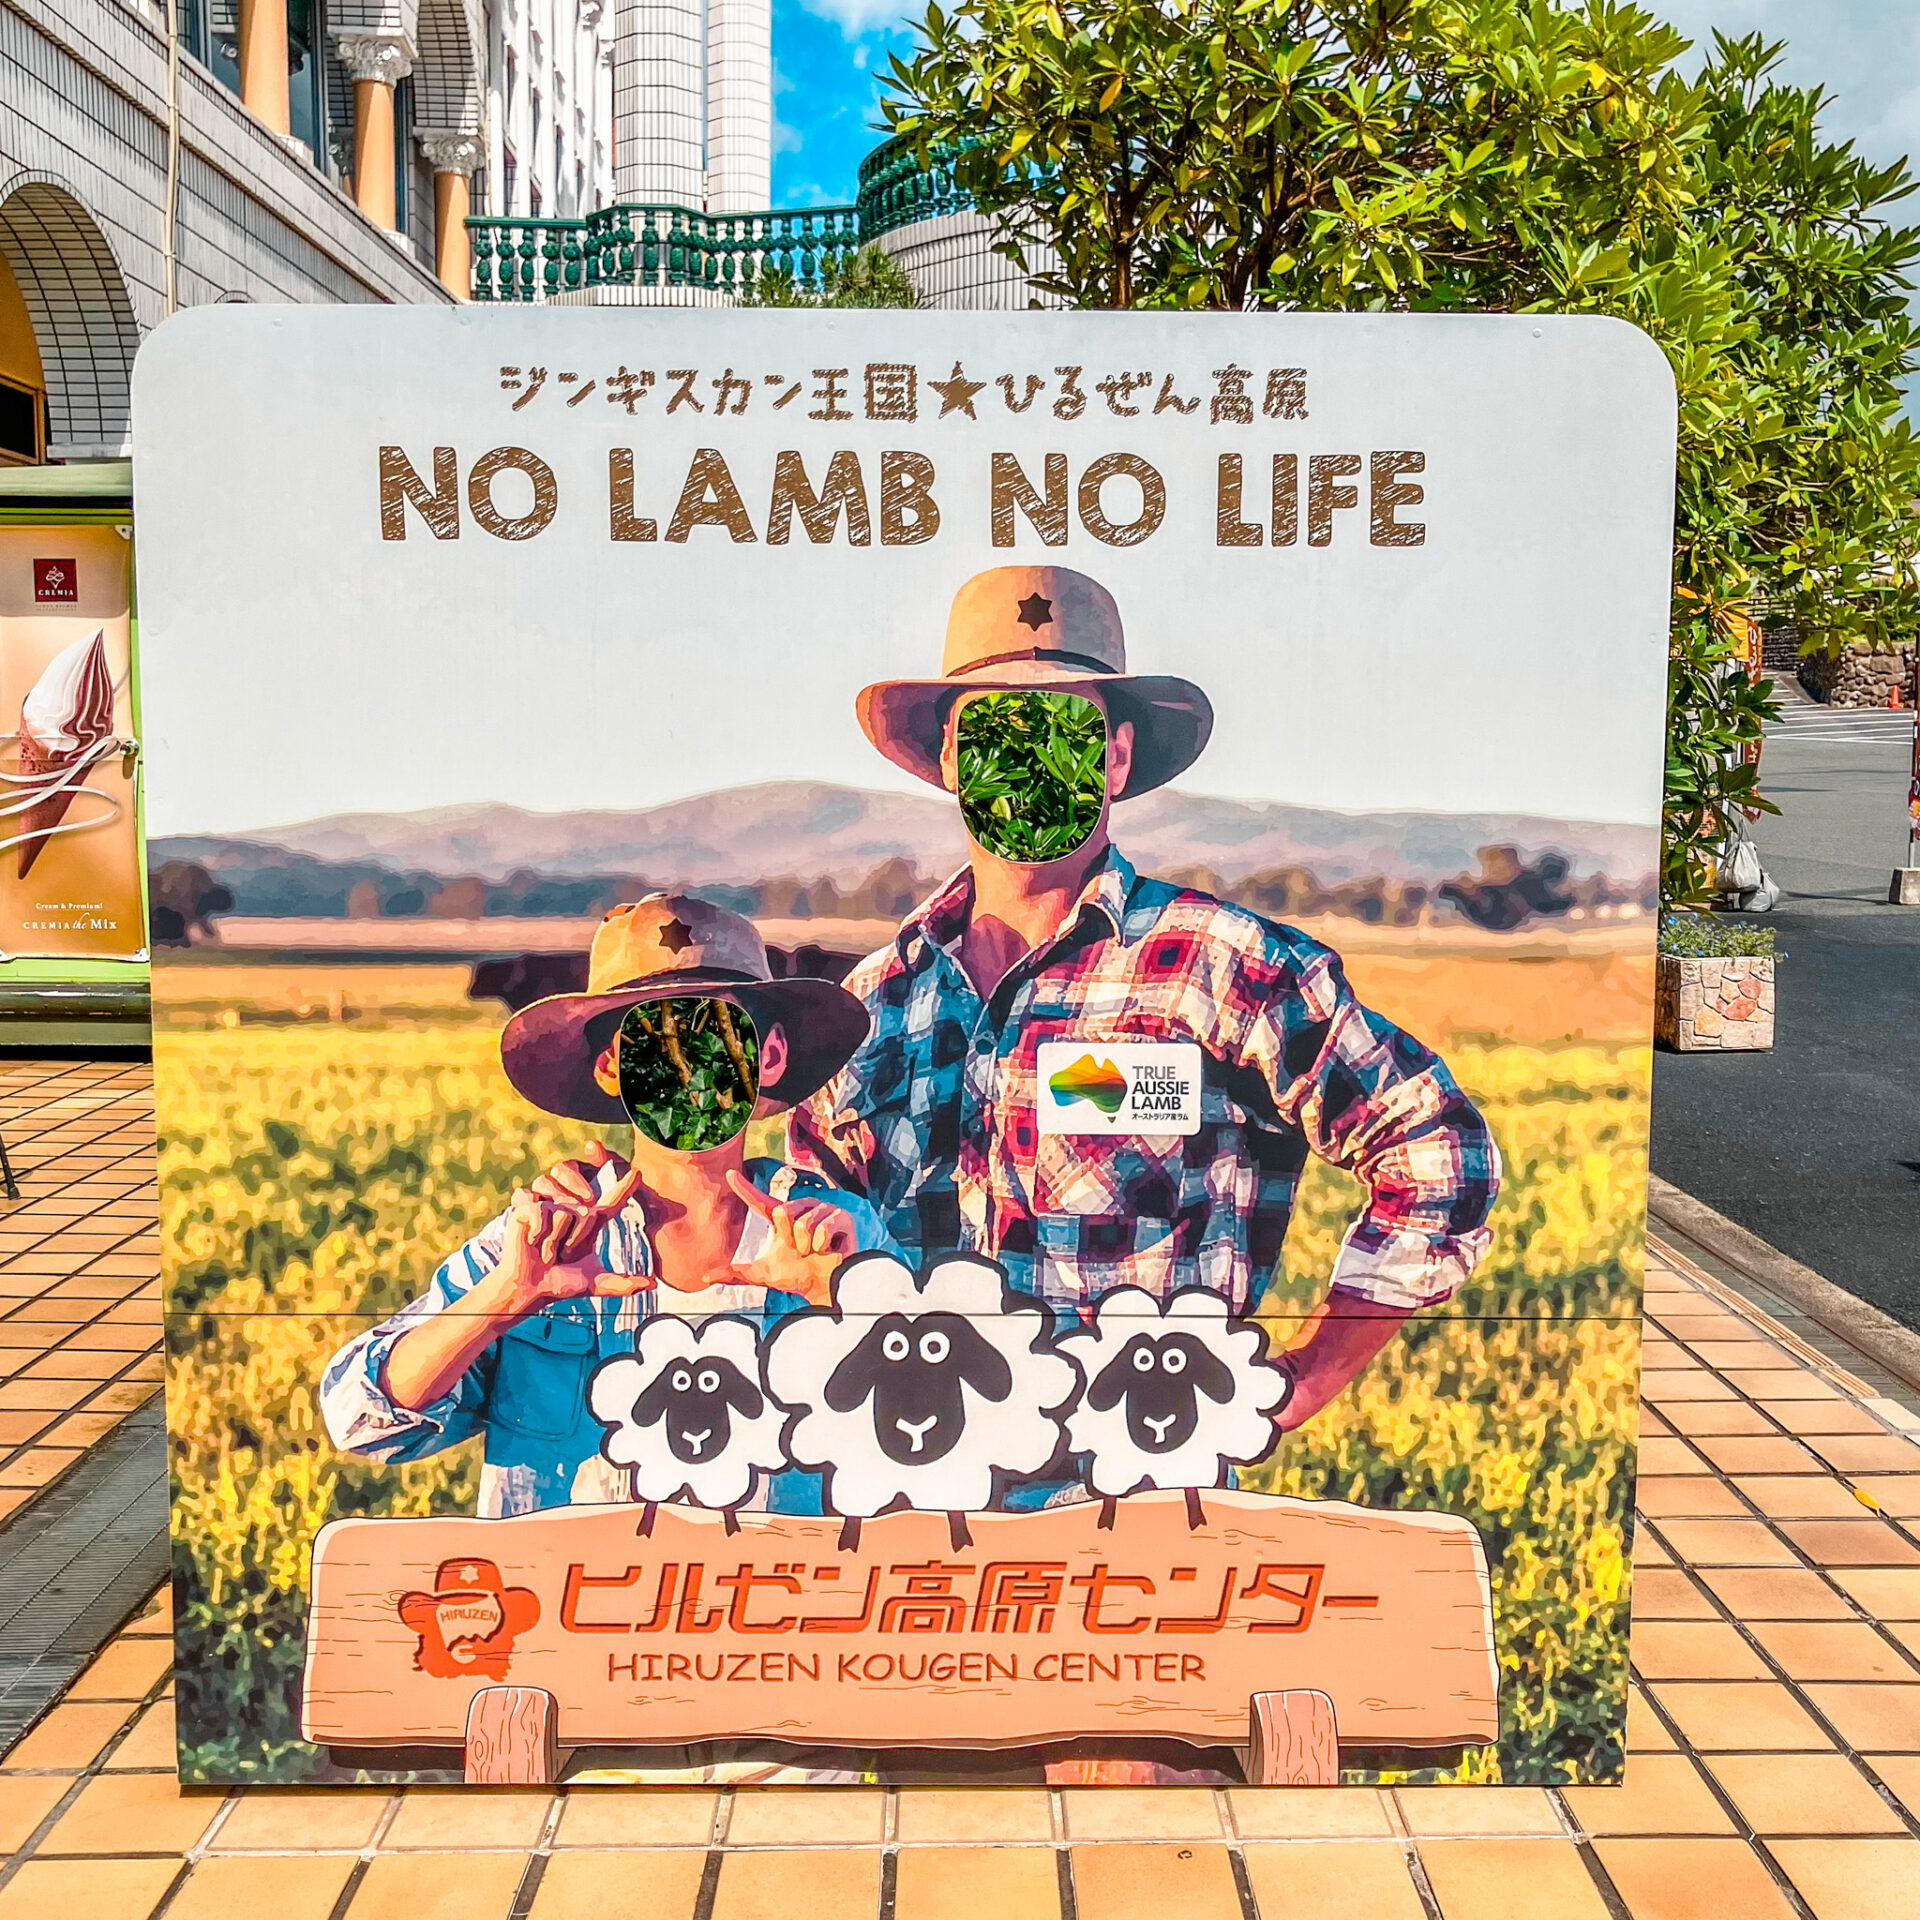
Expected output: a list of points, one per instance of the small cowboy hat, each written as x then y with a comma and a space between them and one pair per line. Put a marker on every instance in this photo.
1055, 631
669, 946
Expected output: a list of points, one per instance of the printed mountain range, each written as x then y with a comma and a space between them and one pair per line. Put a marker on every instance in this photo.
836, 839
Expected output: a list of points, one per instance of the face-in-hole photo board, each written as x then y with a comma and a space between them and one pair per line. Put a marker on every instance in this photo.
918, 1044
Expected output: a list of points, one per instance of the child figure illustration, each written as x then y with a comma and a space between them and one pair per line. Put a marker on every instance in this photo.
682, 1031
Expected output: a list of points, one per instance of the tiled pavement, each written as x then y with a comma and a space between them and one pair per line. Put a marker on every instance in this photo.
79, 1253
1774, 1739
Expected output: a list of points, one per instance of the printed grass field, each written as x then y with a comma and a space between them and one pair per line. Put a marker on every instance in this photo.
313, 1174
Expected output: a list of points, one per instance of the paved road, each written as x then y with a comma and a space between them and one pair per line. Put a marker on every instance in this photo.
1816, 1146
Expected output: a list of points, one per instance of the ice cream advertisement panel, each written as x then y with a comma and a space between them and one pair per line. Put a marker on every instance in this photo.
69, 845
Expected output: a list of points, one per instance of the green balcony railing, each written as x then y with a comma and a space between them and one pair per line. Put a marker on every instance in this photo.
526, 259
722, 253
658, 247
896, 190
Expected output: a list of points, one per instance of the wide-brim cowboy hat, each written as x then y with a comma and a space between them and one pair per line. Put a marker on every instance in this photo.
1054, 631
669, 947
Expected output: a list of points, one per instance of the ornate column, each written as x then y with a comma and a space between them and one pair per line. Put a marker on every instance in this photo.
376, 63
263, 63
453, 158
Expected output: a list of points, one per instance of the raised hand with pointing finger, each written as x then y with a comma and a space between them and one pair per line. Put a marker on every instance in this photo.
686, 1042
808, 1241
551, 1246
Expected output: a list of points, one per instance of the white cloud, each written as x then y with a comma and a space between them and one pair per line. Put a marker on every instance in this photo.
855, 17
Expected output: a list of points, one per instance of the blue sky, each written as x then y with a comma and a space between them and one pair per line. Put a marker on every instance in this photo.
825, 52
825, 99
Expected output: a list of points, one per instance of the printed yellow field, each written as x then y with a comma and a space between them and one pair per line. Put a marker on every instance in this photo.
314, 1172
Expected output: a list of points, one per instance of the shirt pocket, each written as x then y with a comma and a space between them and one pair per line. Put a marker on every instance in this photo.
540, 1386
1107, 1207
1125, 1174
1106, 1211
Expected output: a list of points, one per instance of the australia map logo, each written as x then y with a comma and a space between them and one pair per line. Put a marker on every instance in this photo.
469, 1622
1098, 1082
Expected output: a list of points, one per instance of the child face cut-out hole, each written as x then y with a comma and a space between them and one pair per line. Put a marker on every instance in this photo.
689, 1071
1031, 773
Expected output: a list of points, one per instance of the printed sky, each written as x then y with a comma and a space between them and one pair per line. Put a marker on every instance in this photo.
826, 52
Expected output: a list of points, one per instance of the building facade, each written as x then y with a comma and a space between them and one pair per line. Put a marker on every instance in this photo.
935, 235
549, 109
693, 104
157, 154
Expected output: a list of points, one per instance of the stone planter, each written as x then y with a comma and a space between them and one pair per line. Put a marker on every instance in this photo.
1713, 1006
1861, 677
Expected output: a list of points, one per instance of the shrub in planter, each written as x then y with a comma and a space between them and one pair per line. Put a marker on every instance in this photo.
1713, 986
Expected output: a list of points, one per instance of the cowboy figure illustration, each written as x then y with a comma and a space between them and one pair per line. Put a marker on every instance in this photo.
468, 1621
944, 1120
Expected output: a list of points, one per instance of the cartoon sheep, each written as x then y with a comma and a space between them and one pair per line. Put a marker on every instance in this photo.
920, 1394
686, 1413
1173, 1397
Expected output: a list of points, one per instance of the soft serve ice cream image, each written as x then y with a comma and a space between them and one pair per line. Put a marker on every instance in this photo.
66, 728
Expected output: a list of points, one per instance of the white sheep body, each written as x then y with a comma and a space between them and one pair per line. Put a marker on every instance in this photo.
1018, 1434
1236, 1431
753, 1442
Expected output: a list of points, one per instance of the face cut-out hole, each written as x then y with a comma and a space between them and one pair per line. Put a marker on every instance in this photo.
1032, 773
689, 1072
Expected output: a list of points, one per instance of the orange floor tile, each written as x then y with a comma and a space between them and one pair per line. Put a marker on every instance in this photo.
76, 1250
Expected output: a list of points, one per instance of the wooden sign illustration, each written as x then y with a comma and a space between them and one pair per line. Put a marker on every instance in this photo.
1280, 1627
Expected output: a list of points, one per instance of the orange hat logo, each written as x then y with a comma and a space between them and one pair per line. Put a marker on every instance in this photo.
469, 1622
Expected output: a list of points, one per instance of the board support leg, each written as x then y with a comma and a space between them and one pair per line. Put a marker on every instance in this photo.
512, 1738
1293, 1741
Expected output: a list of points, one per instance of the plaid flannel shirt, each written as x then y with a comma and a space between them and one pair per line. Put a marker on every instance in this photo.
933, 1119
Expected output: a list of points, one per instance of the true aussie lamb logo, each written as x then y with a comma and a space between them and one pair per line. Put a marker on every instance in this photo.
1133, 1086
469, 1622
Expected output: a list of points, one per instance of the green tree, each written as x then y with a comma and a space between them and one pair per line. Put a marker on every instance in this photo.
871, 278
1514, 155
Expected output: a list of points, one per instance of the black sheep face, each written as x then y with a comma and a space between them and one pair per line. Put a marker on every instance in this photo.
697, 1400
913, 1370
1161, 1381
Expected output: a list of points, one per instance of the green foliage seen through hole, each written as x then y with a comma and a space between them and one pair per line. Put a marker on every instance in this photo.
689, 1071
1033, 773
